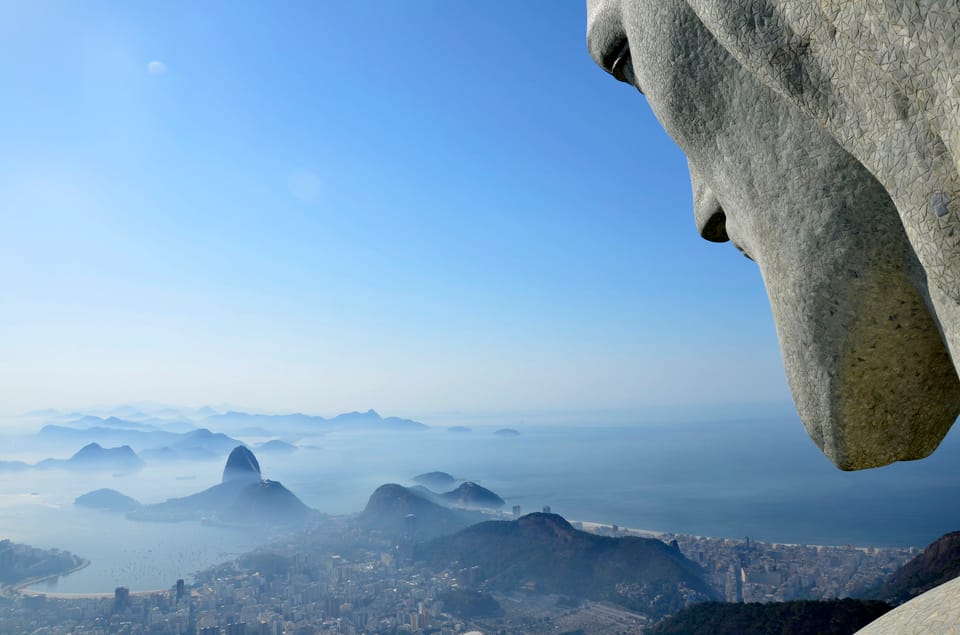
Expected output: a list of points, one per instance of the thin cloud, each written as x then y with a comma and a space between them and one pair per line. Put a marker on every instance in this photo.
156, 67
305, 186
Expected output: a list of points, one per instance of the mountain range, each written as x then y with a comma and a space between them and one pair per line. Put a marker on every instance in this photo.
806, 617
93, 456
938, 563
369, 420
196, 439
195, 444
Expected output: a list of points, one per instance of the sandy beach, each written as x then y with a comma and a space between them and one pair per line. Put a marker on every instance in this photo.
604, 529
85, 596
23, 590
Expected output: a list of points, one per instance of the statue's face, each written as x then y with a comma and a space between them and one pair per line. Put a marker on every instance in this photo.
881, 77
869, 372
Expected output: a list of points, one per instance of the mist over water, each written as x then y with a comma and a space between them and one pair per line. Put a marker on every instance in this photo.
761, 478
37, 509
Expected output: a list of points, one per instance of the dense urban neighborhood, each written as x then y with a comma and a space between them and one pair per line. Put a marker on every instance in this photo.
336, 577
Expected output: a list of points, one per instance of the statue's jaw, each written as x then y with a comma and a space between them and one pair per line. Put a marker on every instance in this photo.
870, 375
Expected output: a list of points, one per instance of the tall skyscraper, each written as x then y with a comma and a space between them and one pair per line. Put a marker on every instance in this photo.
121, 599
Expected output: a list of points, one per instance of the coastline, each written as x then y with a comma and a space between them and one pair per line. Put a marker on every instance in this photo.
598, 528
608, 529
21, 587
85, 596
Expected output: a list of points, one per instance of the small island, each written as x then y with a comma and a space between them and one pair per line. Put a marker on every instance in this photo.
93, 456
108, 500
507, 432
276, 446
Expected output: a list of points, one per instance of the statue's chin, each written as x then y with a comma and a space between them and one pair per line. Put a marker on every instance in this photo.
871, 377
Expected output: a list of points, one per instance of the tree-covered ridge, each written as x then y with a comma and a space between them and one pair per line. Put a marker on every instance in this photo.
937, 564
544, 553
831, 617
20, 563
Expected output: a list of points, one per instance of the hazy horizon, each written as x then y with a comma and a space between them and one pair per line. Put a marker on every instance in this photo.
682, 412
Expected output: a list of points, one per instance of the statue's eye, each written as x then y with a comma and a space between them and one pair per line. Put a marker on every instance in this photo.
621, 66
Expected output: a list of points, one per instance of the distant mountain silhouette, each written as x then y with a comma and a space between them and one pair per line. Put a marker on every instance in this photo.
123, 410
390, 504
543, 552
90, 421
204, 439
140, 417
95, 453
254, 431
507, 432
241, 464
166, 453
276, 446
240, 498
831, 617
473, 496
95, 457
310, 424
235, 420
101, 434
196, 443
938, 563
435, 480
107, 499
359, 418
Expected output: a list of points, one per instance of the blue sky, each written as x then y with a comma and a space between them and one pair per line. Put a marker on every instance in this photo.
420, 207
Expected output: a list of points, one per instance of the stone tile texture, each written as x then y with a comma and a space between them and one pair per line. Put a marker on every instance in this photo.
936, 612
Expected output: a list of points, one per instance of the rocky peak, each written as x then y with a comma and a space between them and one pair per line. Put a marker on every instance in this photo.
241, 464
